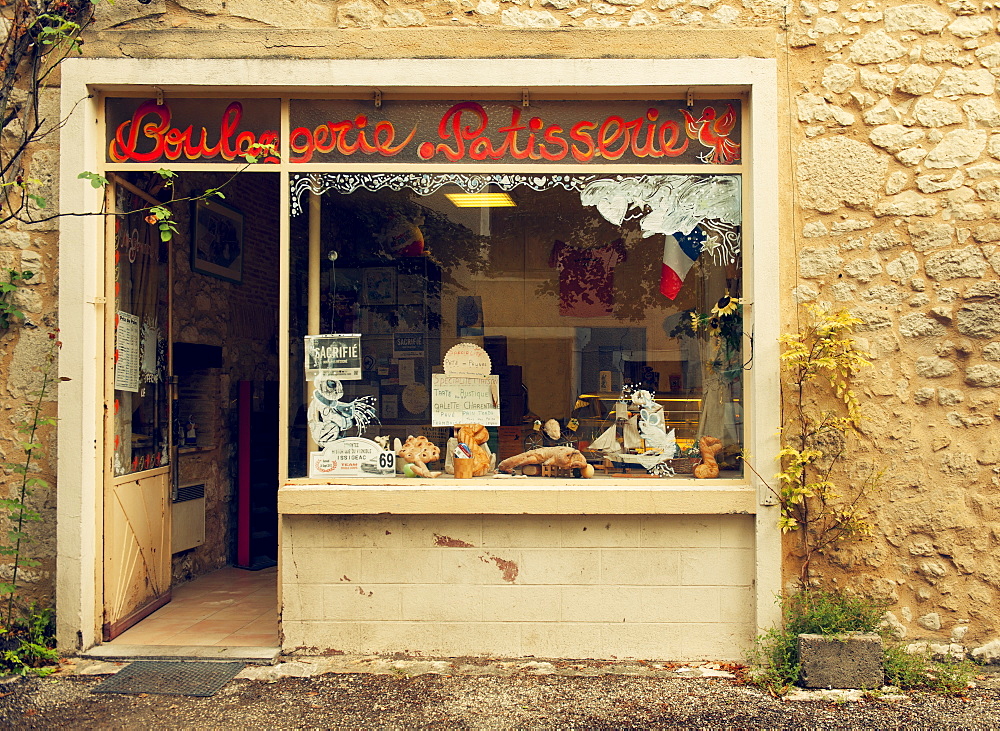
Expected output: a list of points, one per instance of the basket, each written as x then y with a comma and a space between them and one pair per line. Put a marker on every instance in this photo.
684, 465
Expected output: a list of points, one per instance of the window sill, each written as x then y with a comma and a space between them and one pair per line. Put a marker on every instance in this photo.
531, 496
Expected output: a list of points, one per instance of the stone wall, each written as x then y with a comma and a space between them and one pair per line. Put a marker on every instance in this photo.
24, 348
896, 182
366, 14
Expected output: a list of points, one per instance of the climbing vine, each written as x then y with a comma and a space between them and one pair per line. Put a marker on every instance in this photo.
26, 637
821, 419
9, 311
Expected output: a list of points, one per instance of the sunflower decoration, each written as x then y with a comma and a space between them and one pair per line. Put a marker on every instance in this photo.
724, 323
726, 305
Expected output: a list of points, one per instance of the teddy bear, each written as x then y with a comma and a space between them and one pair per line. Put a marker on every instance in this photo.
474, 436
708, 467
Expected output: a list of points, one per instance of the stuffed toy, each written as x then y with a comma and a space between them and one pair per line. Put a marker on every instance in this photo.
474, 436
709, 446
564, 457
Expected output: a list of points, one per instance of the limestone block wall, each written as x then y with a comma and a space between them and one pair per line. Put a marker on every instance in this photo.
368, 14
24, 348
676, 587
896, 183
23, 352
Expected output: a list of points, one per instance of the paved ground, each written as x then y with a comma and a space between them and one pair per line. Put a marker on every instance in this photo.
373, 693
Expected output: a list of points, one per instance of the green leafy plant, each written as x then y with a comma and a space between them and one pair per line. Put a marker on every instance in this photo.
27, 647
775, 657
96, 180
53, 29
19, 628
819, 363
724, 325
8, 310
38, 36
820, 612
918, 671
161, 216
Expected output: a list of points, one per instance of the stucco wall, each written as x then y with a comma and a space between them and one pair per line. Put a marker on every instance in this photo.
515, 585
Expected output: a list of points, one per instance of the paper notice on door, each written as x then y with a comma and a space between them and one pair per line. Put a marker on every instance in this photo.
127, 353
407, 372
150, 341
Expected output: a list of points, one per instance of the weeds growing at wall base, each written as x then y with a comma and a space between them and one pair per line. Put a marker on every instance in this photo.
918, 671
27, 645
775, 658
812, 611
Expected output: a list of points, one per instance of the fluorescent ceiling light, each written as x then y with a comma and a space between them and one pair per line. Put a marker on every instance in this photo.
481, 200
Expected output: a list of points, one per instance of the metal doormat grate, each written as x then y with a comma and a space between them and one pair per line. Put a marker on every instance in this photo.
201, 679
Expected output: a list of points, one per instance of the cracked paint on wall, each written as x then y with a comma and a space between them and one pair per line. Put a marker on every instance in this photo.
508, 569
449, 542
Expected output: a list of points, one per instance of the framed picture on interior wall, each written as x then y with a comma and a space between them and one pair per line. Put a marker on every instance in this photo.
378, 286
217, 240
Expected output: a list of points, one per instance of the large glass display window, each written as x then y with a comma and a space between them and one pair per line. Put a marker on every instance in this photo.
597, 313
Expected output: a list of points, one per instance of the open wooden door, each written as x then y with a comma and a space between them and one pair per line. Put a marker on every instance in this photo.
138, 416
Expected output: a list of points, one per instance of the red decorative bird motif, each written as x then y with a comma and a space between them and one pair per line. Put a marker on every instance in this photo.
714, 134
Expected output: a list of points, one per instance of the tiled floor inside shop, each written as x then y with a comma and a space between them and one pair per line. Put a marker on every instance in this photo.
226, 608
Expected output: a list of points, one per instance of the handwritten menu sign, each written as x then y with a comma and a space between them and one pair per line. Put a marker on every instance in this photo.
467, 359
465, 400
127, 353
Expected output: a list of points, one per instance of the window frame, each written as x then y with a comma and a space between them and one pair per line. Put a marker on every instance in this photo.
85, 82
365, 167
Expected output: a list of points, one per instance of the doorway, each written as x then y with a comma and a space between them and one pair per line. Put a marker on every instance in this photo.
229, 607
190, 539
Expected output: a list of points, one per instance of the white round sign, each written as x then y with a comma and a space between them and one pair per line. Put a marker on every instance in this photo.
467, 359
415, 398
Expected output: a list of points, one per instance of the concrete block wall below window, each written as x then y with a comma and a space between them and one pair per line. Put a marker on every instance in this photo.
675, 587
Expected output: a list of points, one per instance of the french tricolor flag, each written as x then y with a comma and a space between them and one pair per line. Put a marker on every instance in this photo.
680, 252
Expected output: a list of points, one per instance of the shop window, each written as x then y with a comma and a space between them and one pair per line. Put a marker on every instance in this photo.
608, 305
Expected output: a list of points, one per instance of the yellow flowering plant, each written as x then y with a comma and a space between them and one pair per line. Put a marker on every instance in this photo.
819, 360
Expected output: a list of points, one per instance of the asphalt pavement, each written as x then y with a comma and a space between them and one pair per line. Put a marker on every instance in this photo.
473, 693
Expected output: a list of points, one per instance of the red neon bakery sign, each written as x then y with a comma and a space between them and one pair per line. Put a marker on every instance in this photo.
471, 132
149, 136
465, 132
